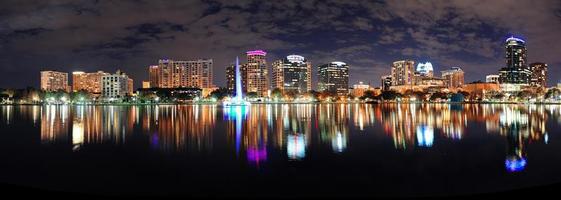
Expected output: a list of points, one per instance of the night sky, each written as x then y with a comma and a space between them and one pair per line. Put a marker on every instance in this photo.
93, 35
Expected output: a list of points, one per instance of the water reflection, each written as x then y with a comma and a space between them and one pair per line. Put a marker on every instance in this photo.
253, 132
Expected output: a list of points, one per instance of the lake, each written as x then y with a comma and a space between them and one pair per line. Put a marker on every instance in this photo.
281, 149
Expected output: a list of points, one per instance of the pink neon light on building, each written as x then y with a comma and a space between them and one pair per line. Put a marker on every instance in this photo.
256, 53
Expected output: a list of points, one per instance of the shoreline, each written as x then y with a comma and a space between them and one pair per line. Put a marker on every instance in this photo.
275, 103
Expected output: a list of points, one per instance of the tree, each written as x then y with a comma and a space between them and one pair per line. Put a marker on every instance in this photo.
252, 95
368, 94
438, 95
553, 93
220, 93
276, 93
389, 95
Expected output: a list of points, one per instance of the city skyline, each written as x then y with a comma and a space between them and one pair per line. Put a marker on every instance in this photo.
452, 35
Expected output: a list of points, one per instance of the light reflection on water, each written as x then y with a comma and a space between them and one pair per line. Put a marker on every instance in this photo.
293, 129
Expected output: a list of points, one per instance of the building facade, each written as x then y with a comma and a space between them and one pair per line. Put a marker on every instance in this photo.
425, 69
492, 78
539, 75
403, 72
516, 70
453, 78
334, 78
54, 81
174, 74
256, 73
360, 89
116, 86
89, 82
292, 74
386, 82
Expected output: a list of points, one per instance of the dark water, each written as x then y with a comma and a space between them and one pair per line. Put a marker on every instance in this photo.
323, 149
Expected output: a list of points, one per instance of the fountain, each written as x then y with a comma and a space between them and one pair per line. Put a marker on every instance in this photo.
237, 100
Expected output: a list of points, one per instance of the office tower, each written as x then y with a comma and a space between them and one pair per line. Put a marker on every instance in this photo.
154, 76
516, 70
425, 69
115, 86
539, 74
54, 81
334, 78
386, 82
492, 78
453, 78
256, 72
89, 82
402, 72
292, 74
175, 74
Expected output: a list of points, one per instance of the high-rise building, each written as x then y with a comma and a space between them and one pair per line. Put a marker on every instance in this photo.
175, 74
492, 78
425, 69
89, 82
54, 81
154, 76
539, 74
292, 74
516, 70
256, 73
231, 78
334, 78
386, 82
403, 72
145, 84
453, 78
116, 86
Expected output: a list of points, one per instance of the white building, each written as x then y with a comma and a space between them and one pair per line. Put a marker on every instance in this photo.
115, 86
492, 78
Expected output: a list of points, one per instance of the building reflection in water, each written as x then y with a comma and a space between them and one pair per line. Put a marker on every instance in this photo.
291, 129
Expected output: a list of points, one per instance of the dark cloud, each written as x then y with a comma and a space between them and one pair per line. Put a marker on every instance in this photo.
132, 34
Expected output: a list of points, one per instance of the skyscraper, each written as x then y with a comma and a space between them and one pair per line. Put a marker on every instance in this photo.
454, 77
292, 74
89, 82
403, 72
425, 69
175, 74
539, 74
386, 82
116, 86
231, 78
516, 70
256, 72
54, 81
334, 78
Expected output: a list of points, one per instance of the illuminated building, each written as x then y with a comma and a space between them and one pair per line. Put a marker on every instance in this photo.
454, 78
360, 88
292, 74
386, 82
145, 84
130, 86
116, 86
479, 88
89, 82
334, 78
492, 78
425, 69
539, 75
173, 74
403, 72
256, 73
516, 70
54, 81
